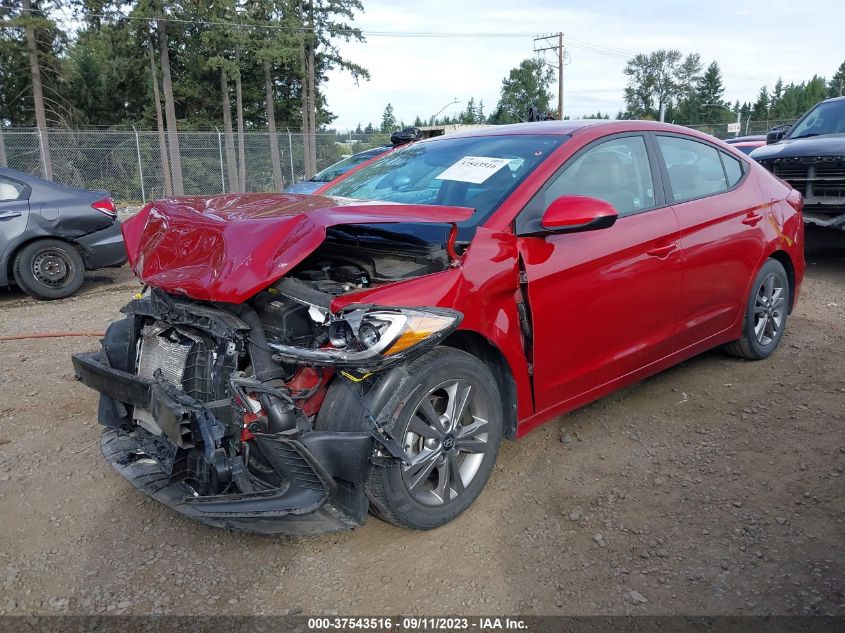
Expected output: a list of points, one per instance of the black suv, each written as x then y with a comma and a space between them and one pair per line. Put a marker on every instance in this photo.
810, 156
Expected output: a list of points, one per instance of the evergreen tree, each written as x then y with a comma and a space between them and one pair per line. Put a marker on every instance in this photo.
836, 85
469, 116
388, 120
760, 109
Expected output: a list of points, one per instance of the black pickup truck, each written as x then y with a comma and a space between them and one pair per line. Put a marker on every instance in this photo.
810, 156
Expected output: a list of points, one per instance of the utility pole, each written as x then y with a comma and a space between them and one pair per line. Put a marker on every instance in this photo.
558, 47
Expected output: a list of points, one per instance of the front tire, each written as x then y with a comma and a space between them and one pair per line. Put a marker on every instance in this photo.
49, 269
765, 314
448, 418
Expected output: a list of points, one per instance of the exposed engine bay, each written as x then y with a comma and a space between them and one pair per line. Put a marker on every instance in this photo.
226, 399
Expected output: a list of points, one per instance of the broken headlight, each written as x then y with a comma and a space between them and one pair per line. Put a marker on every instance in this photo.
374, 337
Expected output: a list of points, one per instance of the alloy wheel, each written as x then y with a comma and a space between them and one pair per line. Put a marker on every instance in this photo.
769, 309
446, 439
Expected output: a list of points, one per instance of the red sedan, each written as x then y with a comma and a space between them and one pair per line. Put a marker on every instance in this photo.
298, 360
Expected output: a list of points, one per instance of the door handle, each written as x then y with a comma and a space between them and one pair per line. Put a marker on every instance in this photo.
661, 252
10, 214
752, 219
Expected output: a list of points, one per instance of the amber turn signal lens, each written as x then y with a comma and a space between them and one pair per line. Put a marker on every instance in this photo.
417, 329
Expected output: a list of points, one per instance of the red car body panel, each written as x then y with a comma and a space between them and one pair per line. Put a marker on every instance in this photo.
608, 307
227, 248
485, 288
615, 284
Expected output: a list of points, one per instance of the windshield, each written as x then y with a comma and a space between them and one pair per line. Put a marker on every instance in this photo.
827, 117
341, 167
475, 172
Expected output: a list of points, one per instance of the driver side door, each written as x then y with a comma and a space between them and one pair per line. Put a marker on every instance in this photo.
604, 303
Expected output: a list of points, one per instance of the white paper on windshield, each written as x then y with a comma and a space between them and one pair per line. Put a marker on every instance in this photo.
474, 169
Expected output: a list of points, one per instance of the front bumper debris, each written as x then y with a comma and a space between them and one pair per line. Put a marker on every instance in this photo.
324, 472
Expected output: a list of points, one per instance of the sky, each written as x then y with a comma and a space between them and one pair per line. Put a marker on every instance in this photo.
754, 42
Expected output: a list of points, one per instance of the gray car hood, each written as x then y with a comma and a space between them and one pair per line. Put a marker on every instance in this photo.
822, 146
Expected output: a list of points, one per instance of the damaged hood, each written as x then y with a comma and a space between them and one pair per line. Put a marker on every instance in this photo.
226, 248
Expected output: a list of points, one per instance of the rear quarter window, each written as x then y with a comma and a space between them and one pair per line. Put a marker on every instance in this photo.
695, 169
11, 189
733, 168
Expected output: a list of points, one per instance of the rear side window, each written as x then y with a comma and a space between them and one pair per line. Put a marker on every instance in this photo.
733, 168
695, 169
10, 189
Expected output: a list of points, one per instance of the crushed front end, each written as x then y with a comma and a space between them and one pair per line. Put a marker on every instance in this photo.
258, 415
187, 428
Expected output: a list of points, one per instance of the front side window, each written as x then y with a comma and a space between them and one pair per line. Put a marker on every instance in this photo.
695, 169
10, 189
616, 171
476, 172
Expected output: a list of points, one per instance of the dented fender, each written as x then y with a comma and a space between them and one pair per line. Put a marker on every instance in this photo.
484, 288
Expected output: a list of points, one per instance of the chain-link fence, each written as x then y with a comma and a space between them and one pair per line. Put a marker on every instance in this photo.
749, 126
129, 165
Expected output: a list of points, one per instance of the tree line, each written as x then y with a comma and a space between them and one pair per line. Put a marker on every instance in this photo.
260, 65
175, 64
663, 80
527, 85
688, 93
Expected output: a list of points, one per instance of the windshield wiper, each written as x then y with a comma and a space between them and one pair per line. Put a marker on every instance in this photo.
794, 138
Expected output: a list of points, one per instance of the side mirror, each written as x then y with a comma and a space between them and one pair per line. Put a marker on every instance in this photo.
572, 214
777, 133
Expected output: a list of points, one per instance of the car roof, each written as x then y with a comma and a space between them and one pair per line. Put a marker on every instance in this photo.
607, 126
38, 184
19, 175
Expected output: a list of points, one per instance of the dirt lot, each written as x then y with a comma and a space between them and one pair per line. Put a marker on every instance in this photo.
713, 488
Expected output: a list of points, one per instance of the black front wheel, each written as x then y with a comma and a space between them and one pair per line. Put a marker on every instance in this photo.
49, 269
448, 418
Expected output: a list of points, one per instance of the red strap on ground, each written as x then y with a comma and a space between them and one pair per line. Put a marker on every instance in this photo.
19, 337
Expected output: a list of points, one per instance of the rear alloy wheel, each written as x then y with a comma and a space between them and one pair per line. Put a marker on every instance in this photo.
49, 269
766, 314
450, 424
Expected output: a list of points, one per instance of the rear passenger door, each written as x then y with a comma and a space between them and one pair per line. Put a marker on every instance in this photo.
721, 228
14, 211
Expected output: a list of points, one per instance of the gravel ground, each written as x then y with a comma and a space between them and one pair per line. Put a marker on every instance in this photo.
713, 488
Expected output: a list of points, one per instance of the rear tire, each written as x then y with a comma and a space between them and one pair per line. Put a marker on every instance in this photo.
48, 269
448, 418
765, 314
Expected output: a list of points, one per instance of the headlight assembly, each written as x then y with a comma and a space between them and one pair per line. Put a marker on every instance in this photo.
370, 338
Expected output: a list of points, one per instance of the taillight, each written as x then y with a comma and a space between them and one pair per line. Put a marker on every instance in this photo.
106, 207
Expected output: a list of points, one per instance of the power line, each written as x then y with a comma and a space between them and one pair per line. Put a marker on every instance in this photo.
574, 42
